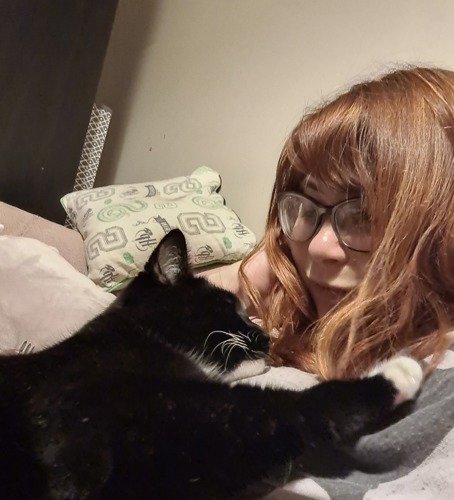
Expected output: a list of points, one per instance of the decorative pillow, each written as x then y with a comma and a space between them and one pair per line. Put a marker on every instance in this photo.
121, 225
43, 298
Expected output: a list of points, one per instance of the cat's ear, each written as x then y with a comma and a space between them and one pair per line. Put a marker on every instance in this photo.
169, 261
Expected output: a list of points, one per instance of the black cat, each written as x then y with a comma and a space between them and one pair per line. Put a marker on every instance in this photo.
136, 404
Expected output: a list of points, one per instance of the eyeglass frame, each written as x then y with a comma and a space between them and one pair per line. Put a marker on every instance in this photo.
322, 210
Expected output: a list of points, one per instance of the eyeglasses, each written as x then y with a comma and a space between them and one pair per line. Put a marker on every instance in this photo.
301, 217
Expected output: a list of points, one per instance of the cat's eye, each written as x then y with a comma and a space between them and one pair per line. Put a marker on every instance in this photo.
228, 299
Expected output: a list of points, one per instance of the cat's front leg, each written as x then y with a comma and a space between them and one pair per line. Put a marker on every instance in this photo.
219, 440
349, 409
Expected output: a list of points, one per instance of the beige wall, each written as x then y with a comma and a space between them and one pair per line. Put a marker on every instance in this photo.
221, 82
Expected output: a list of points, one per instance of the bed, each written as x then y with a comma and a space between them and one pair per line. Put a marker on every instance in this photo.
45, 295
54, 279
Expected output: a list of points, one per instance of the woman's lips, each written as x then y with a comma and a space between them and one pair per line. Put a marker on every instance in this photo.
321, 288
325, 297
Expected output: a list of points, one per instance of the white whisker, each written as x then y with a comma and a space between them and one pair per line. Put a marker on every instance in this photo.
225, 345
215, 331
228, 355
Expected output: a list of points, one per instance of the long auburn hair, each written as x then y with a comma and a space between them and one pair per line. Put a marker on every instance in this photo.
394, 138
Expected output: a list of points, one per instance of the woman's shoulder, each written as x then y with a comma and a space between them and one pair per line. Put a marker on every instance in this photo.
259, 273
257, 270
225, 276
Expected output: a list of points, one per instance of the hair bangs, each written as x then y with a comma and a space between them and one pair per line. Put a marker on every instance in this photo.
332, 146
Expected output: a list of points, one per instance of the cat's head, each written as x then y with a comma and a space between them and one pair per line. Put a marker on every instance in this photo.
193, 315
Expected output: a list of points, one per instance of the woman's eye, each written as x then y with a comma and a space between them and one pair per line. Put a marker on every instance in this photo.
354, 220
309, 215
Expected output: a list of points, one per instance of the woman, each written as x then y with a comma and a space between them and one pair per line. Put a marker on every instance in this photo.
357, 260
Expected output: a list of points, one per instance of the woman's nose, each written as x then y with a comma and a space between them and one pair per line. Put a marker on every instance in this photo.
325, 244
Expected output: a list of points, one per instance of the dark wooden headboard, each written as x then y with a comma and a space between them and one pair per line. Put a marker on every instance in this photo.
51, 56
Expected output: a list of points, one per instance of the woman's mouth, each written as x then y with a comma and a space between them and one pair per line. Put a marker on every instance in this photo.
324, 296
326, 288
328, 291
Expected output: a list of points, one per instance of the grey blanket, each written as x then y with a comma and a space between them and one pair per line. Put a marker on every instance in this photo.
413, 458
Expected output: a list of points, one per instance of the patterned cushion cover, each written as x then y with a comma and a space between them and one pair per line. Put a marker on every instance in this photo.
121, 224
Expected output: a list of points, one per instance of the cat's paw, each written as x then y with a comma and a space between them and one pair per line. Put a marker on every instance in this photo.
404, 373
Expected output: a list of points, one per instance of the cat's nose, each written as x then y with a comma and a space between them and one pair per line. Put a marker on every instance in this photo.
263, 341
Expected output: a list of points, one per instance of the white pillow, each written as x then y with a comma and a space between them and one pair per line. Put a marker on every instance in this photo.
122, 224
43, 299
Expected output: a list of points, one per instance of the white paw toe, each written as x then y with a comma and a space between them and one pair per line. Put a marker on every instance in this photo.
406, 375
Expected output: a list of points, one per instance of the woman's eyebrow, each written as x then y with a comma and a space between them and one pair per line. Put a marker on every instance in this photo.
353, 192
309, 183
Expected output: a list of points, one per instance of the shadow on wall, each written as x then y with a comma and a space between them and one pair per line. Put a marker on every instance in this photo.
131, 33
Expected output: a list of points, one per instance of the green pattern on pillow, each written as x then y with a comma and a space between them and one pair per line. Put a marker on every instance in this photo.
122, 224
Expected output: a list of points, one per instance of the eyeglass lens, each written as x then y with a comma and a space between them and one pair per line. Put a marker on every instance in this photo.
300, 218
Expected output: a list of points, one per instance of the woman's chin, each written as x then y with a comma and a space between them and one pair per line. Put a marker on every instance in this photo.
325, 308
325, 297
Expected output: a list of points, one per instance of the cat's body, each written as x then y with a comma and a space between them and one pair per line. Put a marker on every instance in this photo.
135, 405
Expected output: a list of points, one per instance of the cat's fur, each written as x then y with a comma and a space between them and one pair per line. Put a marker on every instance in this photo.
135, 405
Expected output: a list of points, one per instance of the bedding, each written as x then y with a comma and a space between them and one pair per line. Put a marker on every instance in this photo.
413, 458
43, 298
17, 222
121, 224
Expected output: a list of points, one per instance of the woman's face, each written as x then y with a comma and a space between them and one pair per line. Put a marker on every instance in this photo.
328, 268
